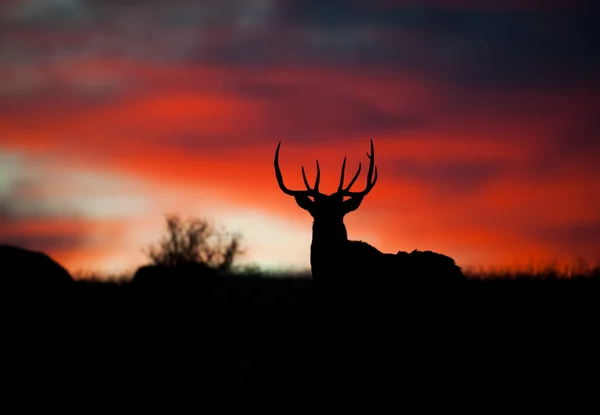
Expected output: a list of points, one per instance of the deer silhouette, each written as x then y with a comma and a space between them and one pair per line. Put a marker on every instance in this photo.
334, 258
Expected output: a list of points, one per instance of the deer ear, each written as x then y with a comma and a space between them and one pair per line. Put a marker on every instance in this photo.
304, 202
352, 204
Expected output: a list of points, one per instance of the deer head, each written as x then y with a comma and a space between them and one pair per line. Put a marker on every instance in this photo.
328, 211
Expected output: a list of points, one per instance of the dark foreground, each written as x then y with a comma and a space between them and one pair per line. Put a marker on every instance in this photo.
248, 330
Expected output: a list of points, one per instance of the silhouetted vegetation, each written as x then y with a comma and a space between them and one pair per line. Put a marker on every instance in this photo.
195, 240
248, 329
193, 252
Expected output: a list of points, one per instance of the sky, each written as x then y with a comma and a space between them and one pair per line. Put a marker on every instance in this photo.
485, 119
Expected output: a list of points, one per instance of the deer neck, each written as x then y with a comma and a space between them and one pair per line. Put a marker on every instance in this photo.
328, 242
328, 234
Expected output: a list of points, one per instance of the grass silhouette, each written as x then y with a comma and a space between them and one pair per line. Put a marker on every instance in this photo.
249, 329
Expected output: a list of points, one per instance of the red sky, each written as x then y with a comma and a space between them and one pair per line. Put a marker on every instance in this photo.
484, 120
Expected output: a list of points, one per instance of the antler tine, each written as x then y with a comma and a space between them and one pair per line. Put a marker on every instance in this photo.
315, 189
305, 181
318, 179
342, 176
370, 180
354, 178
341, 186
282, 186
371, 184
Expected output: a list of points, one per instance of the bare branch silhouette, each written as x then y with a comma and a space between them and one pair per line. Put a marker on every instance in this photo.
195, 240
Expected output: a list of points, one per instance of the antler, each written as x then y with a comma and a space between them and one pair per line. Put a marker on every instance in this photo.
308, 191
341, 190
370, 180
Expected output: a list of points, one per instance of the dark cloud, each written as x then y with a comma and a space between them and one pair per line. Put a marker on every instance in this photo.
583, 237
26, 220
6, 211
262, 89
469, 46
504, 49
16, 229
303, 115
582, 139
53, 242
368, 116
336, 116
577, 143
459, 178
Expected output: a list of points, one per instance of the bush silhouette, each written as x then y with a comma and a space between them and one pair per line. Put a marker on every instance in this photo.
195, 240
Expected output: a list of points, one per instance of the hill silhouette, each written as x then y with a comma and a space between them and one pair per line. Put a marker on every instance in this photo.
35, 270
236, 329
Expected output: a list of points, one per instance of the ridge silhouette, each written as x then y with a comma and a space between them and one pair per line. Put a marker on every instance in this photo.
170, 322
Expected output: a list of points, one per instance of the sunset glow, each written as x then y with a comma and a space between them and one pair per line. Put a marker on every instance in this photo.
485, 122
